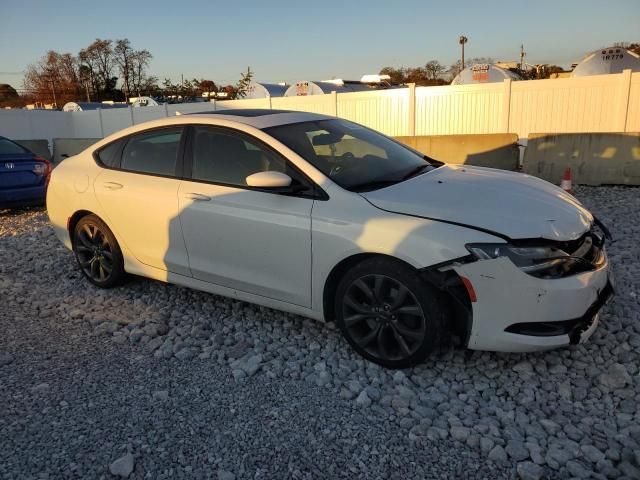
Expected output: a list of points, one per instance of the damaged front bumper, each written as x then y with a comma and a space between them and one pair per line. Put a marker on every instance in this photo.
516, 312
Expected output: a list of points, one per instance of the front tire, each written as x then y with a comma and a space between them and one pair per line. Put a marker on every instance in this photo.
98, 253
388, 314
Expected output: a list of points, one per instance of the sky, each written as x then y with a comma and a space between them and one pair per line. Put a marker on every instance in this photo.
285, 40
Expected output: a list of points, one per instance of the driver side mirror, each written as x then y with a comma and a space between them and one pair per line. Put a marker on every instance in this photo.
269, 180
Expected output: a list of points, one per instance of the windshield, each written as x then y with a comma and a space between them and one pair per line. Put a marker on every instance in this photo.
355, 157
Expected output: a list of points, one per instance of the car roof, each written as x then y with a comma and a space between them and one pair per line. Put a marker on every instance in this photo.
261, 117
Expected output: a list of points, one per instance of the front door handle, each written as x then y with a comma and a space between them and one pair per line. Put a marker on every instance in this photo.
197, 196
112, 185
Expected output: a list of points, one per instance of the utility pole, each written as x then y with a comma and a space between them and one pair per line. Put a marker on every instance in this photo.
522, 54
462, 40
53, 90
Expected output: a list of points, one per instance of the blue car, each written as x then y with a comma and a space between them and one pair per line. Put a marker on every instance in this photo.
24, 176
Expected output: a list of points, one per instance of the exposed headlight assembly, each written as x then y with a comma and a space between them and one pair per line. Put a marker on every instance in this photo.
539, 261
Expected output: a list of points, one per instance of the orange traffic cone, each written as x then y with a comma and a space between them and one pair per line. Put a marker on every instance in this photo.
566, 183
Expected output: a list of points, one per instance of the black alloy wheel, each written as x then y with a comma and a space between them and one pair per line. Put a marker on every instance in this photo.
97, 252
388, 314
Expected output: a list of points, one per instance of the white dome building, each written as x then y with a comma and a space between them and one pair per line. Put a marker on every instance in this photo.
483, 73
265, 90
304, 88
607, 60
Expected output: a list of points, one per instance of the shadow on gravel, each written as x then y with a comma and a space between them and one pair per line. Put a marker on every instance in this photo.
16, 212
75, 397
193, 383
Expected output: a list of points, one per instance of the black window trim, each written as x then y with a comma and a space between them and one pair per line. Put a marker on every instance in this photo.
178, 172
187, 159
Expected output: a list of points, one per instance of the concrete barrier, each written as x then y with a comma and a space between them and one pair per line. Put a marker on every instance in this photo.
495, 150
39, 147
63, 147
594, 158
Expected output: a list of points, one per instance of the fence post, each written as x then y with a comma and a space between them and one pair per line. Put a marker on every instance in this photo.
270, 104
101, 124
27, 116
412, 109
166, 109
131, 114
624, 98
334, 102
506, 105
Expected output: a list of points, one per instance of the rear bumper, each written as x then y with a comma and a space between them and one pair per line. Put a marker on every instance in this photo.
516, 312
23, 197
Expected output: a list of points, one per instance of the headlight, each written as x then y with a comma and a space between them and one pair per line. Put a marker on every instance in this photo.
537, 261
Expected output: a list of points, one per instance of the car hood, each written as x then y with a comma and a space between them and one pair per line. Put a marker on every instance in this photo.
511, 204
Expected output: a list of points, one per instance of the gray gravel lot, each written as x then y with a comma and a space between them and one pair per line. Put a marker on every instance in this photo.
155, 381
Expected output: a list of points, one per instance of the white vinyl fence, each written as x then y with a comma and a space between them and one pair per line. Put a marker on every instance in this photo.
604, 103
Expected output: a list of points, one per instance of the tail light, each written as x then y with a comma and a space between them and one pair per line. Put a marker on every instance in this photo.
43, 168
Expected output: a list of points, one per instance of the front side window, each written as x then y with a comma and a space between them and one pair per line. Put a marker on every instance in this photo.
154, 152
355, 157
223, 156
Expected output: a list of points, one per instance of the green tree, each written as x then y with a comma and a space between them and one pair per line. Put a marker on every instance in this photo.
243, 84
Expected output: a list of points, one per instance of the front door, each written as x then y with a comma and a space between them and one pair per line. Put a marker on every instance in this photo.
255, 241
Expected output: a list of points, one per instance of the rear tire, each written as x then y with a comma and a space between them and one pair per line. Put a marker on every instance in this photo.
98, 253
388, 314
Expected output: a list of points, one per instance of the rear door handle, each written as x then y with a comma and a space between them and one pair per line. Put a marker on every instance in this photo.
197, 196
112, 185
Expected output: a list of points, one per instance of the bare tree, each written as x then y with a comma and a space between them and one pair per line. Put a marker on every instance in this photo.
99, 59
54, 78
122, 54
397, 74
434, 69
140, 60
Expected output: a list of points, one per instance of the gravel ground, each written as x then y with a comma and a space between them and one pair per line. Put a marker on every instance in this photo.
156, 381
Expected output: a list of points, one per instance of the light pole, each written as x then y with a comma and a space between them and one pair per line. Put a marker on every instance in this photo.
462, 40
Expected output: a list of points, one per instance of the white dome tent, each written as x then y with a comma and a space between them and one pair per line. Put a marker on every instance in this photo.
265, 90
304, 88
483, 73
607, 60
85, 106
143, 102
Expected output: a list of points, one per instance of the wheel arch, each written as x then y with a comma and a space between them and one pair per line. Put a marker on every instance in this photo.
454, 295
75, 218
339, 270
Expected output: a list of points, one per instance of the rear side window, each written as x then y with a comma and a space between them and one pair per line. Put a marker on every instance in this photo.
7, 147
109, 155
154, 152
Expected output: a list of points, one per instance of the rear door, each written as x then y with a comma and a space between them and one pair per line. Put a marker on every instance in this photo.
138, 190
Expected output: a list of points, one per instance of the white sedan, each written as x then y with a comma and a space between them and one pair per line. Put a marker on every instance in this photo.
328, 219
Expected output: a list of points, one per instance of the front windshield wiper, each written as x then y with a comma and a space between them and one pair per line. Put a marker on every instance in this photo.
381, 183
414, 172
373, 185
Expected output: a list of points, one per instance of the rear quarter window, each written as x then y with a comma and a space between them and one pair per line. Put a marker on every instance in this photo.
7, 147
109, 156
